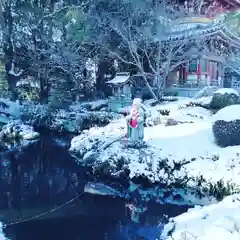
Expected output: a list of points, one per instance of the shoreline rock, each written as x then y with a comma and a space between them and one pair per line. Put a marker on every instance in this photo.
16, 134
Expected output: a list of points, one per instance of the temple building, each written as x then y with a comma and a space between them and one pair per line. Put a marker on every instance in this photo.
222, 33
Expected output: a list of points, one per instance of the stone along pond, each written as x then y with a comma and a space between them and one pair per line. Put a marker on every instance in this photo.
42, 197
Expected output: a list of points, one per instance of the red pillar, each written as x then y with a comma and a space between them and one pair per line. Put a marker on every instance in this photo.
207, 69
185, 71
199, 70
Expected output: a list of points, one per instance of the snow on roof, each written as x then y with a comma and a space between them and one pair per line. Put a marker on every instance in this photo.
120, 78
219, 221
228, 91
229, 113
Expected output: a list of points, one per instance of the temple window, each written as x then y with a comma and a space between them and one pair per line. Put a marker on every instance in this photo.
193, 65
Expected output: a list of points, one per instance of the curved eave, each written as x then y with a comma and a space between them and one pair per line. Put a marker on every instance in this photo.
231, 38
232, 4
219, 30
192, 33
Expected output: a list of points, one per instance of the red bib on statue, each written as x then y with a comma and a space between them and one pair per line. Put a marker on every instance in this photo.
133, 123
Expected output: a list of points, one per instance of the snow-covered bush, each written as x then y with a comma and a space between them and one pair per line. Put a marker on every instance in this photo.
205, 92
227, 133
95, 105
73, 120
195, 103
226, 126
224, 97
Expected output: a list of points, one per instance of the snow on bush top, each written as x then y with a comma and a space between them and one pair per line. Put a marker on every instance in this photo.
229, 113
227, 91
218, 221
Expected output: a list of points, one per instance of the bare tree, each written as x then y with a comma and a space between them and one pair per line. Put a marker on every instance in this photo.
233, 63
151, 34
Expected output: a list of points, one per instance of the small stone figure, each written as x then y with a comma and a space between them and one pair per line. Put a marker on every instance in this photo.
135, 121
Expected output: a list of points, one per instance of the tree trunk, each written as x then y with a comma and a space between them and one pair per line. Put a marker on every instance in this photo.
8, 49
159, 87
148, 85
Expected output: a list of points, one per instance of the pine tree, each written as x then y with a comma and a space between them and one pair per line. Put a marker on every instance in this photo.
60, 94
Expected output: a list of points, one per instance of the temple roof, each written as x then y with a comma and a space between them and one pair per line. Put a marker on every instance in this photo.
230, 4
226, 26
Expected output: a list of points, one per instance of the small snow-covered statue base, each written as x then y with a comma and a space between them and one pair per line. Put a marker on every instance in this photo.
135, 126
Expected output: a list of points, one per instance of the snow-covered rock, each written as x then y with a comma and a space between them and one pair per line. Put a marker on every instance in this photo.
15, 133
226, 126
224, 97
219, 221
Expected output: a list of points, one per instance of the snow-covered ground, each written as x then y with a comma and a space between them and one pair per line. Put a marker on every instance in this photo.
191, 141
219, 221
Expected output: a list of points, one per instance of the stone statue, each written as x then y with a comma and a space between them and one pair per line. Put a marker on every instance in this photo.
135, 123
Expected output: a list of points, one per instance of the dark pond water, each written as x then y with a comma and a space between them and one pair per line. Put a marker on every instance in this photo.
45, 176
90, 227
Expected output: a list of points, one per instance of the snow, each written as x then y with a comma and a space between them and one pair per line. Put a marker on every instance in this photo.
190, 143
9, 107
2, 237
227, 91
93, 105
219, 221
229, 113
120, 78
29, 82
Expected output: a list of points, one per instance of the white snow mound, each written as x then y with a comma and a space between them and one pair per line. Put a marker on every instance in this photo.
227, 91
229, 113
219, 221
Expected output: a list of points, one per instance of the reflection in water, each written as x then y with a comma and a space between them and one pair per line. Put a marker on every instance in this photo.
109, 224
45, 174
74, 228
84, 228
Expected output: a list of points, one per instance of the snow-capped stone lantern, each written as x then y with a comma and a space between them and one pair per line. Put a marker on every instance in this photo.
121, 87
